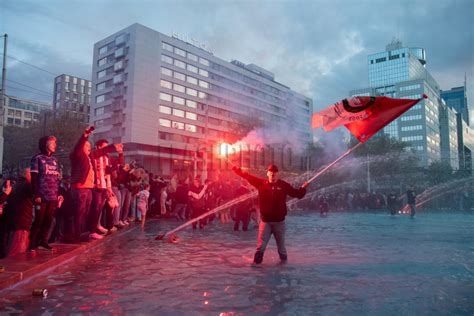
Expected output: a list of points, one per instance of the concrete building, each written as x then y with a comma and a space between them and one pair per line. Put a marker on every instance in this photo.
21, 112
400, 72
172, 102
72, 95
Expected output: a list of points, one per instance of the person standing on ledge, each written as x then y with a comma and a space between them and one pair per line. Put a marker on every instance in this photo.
272, 194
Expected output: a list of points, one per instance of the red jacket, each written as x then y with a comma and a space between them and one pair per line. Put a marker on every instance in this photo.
272, 196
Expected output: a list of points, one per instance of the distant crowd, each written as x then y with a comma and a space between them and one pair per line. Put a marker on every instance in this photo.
102, 195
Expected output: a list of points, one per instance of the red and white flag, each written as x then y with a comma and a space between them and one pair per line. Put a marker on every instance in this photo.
362, 116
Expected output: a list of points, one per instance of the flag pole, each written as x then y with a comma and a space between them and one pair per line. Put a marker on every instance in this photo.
334, 162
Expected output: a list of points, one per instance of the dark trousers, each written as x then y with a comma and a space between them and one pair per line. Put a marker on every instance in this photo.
244, 217
99, 197
81, 204
196, 211
44, 214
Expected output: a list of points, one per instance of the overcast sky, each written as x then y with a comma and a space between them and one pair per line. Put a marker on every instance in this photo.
318, 48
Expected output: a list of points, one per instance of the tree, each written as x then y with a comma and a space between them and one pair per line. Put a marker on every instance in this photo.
21, 143
438, 172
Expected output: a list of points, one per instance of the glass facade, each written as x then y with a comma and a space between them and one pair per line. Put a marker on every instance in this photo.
456, 98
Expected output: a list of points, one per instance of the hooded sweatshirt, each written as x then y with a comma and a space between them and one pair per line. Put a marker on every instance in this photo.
45, 176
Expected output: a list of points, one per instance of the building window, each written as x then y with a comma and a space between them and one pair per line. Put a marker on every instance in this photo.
178, 100
179, 76
192, 57
103, 49
165, 122
191, 104
191, 92
179, 88
203, 61
99, 111
118, 78
28, 115
119, 52
202, 95
167, 47
203, 84
165, 96
165, 109
178, 125
118, 65
66, 78
167, 59
191, 116
100, 98
177, 112
166, 71
191, 128
101, 74
191, 68
102, 61
120, 39
179, 64
17, 121
166, 84
203, 73
11, 112
192, 80
10, 120
83, 82
179, 52
74, 87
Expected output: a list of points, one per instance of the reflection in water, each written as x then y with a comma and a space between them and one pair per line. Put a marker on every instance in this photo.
341, 264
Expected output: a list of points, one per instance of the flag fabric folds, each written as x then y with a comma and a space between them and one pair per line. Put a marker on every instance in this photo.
362, 116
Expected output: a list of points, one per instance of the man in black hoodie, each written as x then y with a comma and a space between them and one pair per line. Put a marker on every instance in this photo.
45, 179
272, 193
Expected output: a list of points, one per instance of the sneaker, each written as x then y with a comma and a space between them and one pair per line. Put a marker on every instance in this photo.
102, 229
113, 230
126, 223
95, 236
46, 246
120, 225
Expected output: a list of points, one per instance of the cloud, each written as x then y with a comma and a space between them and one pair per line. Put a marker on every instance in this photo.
318, 48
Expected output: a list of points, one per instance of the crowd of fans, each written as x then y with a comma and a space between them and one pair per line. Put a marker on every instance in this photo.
102, 195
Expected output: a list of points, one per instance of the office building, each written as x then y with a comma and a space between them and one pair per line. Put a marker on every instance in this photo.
72, 95
400, 72
172, 102
456, 98
21, 112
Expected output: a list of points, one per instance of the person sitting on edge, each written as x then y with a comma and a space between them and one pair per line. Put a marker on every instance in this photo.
272, 194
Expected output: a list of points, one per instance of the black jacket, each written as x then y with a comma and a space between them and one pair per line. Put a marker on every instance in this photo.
80, 162
19, 208
272, 196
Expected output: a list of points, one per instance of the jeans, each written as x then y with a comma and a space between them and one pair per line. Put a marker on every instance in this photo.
117, 211
44, 214
99, 197
126, 197
81, 204
265, 231
180, 211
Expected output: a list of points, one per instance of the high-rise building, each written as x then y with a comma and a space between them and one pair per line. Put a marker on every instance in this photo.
22, 112
465, 145
72, 96
456, 98
165, 98
400, 72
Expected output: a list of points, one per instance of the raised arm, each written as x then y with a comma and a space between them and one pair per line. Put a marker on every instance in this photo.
199, 195
256, 182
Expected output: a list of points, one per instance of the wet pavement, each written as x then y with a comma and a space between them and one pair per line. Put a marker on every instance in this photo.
345, 263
